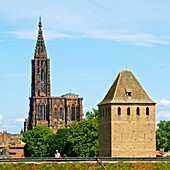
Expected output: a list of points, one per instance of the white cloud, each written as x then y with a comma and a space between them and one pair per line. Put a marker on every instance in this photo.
91, 19
164, 103
139, 39
11, 125
1, 117
20, 120
32, 35
23, 34
163, 115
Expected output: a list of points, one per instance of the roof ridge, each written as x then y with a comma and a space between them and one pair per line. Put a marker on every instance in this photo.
119, 77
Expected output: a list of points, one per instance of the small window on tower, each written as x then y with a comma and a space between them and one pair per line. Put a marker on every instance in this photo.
128, 111
147, 111
119, 111
128, 91
138, 111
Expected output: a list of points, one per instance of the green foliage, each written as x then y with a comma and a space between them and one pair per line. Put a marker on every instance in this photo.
23, 166
39, 142
65, 166
60, 140
49, 166
7, 166
91, 115
112, 166
163, 135
162, 166
100, 167
1, 166
86, 166
81, 139
17, 166
79, 166
119, 166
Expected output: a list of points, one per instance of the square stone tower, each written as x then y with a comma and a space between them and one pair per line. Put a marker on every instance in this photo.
127, 120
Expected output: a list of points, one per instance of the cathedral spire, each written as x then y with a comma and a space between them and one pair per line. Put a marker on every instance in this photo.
40, 51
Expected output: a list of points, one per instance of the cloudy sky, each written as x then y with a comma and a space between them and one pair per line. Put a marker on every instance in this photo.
88, 43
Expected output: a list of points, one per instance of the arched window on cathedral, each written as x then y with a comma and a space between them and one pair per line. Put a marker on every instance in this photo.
39, 86
77, 113
61, 114
42, 75
39, 112
68, 113
73, 112
42, 87
38, 77
119, 111
138, 111
128, 111
43, 112
147, 111
47, 112
55, 113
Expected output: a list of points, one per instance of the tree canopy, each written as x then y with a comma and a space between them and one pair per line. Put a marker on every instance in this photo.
81, 139
39, 142
163, 135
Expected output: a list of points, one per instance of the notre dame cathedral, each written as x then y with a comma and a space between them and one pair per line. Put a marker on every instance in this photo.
46, 110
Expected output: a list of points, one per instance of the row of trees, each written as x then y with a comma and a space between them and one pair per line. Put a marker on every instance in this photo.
80, 140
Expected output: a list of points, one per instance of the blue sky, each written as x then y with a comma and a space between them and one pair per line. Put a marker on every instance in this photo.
88, 42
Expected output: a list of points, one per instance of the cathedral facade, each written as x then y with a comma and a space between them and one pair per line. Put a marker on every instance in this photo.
44, 109
127, 126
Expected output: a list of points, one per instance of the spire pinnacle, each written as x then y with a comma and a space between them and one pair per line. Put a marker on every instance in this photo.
40, 24
40, 51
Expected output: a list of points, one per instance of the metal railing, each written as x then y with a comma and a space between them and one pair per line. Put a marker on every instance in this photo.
89, 159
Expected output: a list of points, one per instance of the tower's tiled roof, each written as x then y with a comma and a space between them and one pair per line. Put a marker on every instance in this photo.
126, 89
40, 50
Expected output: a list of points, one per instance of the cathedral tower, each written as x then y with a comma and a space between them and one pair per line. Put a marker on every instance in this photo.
46, 110
40, 68
40, 86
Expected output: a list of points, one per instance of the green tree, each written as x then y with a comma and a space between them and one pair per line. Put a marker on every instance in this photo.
39, 142
163, 135
81, 139
92, 114
60, 140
